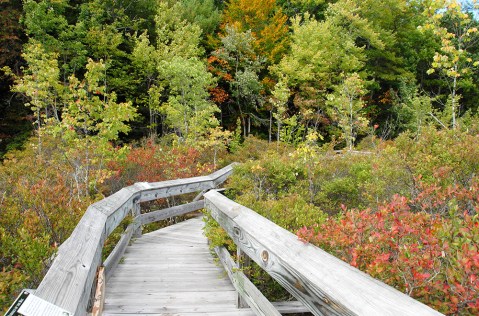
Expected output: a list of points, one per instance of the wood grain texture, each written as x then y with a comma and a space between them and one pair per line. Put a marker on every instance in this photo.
159, 215
69, 281
323, 283
99, 293
243, 263
156, 190
248, 291
290, 307
115, 256
169, 280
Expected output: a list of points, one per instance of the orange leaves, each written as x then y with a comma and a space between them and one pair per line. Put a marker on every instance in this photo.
435, 259
218, 95
266, 21
152, 163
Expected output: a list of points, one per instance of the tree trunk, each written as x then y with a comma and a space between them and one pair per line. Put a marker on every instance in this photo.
270, 125
453, 100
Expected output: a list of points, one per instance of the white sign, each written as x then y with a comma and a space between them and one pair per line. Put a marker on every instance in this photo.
29, 305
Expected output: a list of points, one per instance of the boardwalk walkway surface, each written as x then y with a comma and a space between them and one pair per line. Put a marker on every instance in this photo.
171, 272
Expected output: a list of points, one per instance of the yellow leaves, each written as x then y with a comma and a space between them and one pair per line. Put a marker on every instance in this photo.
472, 30
453, 5
265, 20
257, 169
452, 73
313, 136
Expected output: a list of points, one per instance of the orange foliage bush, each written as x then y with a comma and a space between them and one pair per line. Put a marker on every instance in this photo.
432, 258
153, 163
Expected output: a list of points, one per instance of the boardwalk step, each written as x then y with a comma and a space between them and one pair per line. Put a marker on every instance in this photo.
171, 272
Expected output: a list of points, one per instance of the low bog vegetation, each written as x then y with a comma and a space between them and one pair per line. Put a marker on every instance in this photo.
404, 211
46, 187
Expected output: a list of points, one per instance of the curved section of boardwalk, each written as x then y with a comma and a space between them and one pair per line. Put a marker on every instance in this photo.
171, 272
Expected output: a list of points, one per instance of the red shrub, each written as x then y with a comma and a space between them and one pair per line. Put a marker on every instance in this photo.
153, 163
430, 257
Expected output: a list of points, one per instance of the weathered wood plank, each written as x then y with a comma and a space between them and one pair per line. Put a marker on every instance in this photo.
159, 215
323, 283
115, 256
243, 262
199, 195
156, 190
175, 313
99, 293
69, 281
252, 296
151, 280
290, 307
176, 310
192, 297
116, 207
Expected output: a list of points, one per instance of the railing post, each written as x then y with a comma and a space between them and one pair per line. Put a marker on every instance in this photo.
135, 213
69, 281
323, 283
244, 263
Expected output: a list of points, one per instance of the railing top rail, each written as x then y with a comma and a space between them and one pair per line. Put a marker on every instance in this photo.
325, 284
69, 280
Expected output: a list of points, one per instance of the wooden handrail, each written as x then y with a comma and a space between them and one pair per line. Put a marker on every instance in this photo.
69, 281
323, 283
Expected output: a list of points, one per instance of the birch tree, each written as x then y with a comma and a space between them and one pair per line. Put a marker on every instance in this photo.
457, 32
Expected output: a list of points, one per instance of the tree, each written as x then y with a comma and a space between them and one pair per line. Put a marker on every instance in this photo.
11, 33
279, 99
176, 36
175, 69
39, 82
266, 22
457, 31
93, 111
83, 114
379, 27
217, 140
414, 108
183, 74
188, 109
320, 52
238, 66
145, 58
345, 105
313, 7
14, 128
203, 13
45, 21
91, 119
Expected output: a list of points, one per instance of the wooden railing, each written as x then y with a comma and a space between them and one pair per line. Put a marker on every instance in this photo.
68, 283
323, 283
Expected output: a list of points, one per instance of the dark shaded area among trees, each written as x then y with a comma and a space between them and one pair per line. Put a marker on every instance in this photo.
272, 65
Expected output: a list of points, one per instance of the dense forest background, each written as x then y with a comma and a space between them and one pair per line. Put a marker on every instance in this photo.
96, 95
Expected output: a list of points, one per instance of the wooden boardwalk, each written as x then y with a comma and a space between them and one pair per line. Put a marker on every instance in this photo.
171, 272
